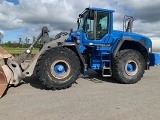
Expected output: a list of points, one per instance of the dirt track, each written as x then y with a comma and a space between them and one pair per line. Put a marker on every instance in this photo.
92, 98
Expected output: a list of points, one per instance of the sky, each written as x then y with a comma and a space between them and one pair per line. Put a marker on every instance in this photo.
25, 18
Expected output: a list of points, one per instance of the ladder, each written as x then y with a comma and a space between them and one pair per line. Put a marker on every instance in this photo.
106, 64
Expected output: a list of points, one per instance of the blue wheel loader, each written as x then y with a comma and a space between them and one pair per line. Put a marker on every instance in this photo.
123, 55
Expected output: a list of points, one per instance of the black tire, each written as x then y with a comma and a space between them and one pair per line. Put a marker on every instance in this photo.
99, 72
128, 66
58, 68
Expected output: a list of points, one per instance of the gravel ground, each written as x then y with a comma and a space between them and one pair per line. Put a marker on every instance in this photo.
91, 98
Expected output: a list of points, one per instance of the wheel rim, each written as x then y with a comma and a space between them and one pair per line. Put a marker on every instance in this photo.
131, 67
60, 69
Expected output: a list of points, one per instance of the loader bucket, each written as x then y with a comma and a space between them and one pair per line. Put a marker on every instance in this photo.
6, 75
3, 82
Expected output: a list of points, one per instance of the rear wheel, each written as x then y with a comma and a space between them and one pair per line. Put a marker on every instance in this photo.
58, 68
128, 66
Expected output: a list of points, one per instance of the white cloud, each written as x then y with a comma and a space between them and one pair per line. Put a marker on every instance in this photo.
1, 32
61, 15
1, 35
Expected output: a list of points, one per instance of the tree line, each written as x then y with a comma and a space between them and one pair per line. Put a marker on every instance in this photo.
23, 44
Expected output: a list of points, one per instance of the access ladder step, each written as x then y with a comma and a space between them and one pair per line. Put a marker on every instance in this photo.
106, 72
107, 75
106, 61
105, 53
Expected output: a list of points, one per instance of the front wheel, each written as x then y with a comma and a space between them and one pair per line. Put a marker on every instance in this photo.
128, 66
58, 68
99, 72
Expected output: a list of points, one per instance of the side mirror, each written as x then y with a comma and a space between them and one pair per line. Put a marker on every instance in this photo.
78, 22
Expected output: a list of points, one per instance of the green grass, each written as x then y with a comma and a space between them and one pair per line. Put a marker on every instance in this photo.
19, 50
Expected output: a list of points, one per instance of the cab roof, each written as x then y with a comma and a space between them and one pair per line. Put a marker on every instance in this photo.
100, 9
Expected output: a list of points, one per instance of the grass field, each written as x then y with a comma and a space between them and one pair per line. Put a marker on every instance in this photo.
19, 50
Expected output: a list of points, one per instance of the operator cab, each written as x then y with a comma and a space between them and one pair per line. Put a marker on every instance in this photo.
96, 24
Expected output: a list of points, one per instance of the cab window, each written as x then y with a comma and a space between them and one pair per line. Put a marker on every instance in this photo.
102, 24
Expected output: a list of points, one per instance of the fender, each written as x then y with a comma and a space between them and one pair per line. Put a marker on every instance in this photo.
74, 47
136, 45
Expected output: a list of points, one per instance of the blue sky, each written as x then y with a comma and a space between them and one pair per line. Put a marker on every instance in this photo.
16, 2
13, 35
25, 18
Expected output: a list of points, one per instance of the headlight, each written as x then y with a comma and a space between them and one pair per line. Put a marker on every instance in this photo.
28, 51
